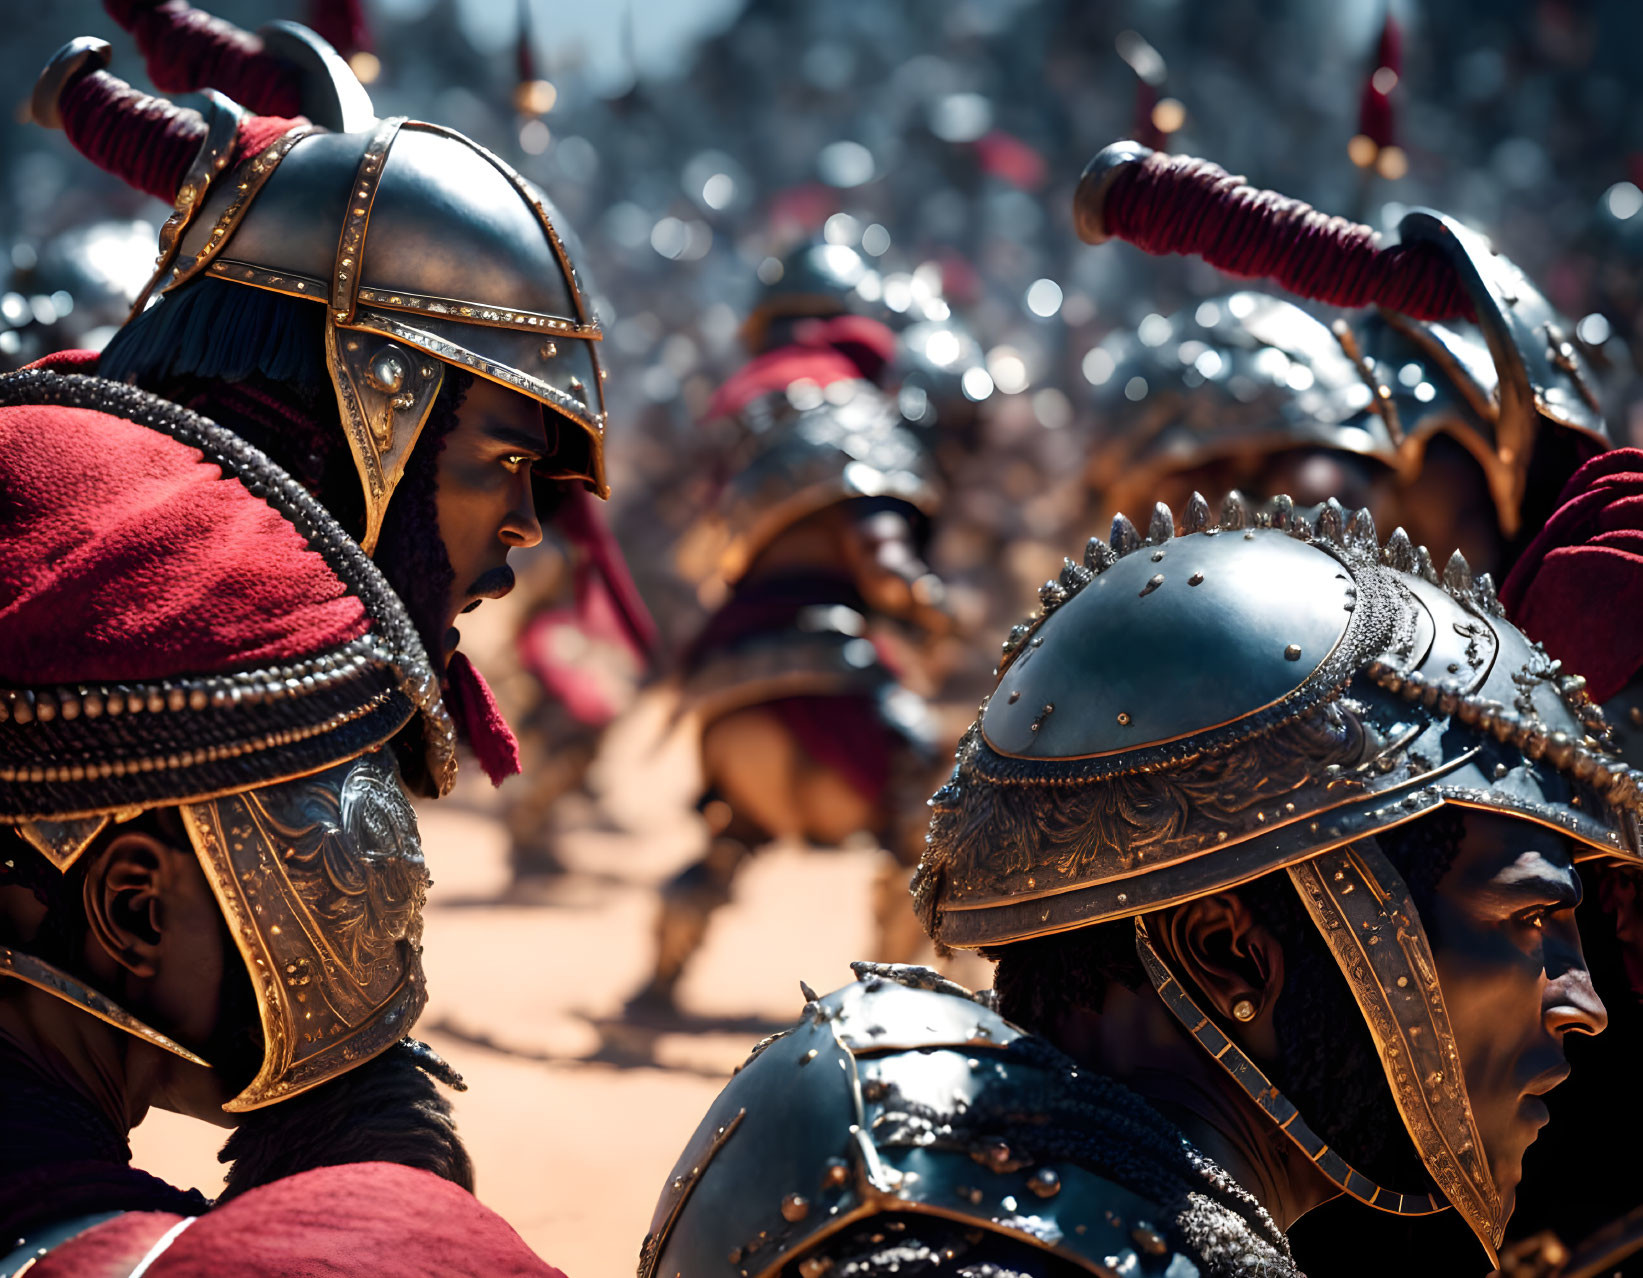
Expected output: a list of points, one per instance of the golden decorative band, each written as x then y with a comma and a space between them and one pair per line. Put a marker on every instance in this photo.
39, 774
1601, 769
292, 284
1362, 907
451, 353
252, 179
56, 982
1258, 1087
249, 688
223, 120
351, 242
481, 313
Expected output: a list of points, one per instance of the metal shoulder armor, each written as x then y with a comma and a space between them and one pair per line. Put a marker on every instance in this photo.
801, 1144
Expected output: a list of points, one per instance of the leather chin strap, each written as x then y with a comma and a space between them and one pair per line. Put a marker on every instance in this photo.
1278, 1107
1361, 906
1363, 909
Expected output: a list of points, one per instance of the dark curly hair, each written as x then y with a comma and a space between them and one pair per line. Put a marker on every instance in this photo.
387, 1110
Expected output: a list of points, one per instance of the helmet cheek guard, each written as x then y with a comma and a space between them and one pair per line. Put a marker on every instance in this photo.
278, 744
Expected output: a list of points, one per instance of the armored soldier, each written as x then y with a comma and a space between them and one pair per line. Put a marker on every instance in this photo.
1456, 409
1271, 831
389, 311
212, 883
807, 730
1578, 589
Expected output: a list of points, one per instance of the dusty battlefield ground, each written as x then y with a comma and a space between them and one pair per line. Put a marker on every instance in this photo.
573, 1116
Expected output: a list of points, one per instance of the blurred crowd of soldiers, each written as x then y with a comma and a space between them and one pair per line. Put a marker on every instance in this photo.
872, 391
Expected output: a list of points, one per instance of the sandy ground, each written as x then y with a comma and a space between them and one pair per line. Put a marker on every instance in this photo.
573, 1116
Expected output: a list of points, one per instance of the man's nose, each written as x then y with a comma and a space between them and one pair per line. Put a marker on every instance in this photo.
521, 529
1571, 1002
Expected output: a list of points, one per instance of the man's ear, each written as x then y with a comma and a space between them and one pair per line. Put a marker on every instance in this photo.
1234, 959
124, 893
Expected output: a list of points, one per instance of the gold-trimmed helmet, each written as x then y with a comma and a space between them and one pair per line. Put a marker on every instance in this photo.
803, 449
257, 676
426, 249
1194, 707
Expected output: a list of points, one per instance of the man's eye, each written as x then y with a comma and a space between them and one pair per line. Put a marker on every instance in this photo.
1533, 918
516, 462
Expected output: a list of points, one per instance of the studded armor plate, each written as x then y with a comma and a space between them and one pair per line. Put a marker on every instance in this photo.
811, 1135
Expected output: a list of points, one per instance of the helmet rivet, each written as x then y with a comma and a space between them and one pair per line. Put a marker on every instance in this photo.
1123, 718
1293, 652
549, 350
1243, 1010
386, 372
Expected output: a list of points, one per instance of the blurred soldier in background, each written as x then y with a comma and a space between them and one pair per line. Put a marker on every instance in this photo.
73, 290
807, 731
585, 647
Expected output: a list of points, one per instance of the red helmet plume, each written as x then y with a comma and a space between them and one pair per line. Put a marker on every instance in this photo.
1177, 204
146, 141
186, 49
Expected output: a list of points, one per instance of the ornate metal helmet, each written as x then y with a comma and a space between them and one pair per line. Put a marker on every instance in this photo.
1304, 688
426, 249
1463, 343
932, 359
815, 280
250, 676
812, 447
1237, 377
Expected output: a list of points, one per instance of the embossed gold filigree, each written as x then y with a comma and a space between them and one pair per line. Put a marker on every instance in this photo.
1362, 906
322, 882
998, 842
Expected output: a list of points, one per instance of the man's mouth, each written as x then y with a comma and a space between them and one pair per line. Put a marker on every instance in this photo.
1547, 1079
491, 584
